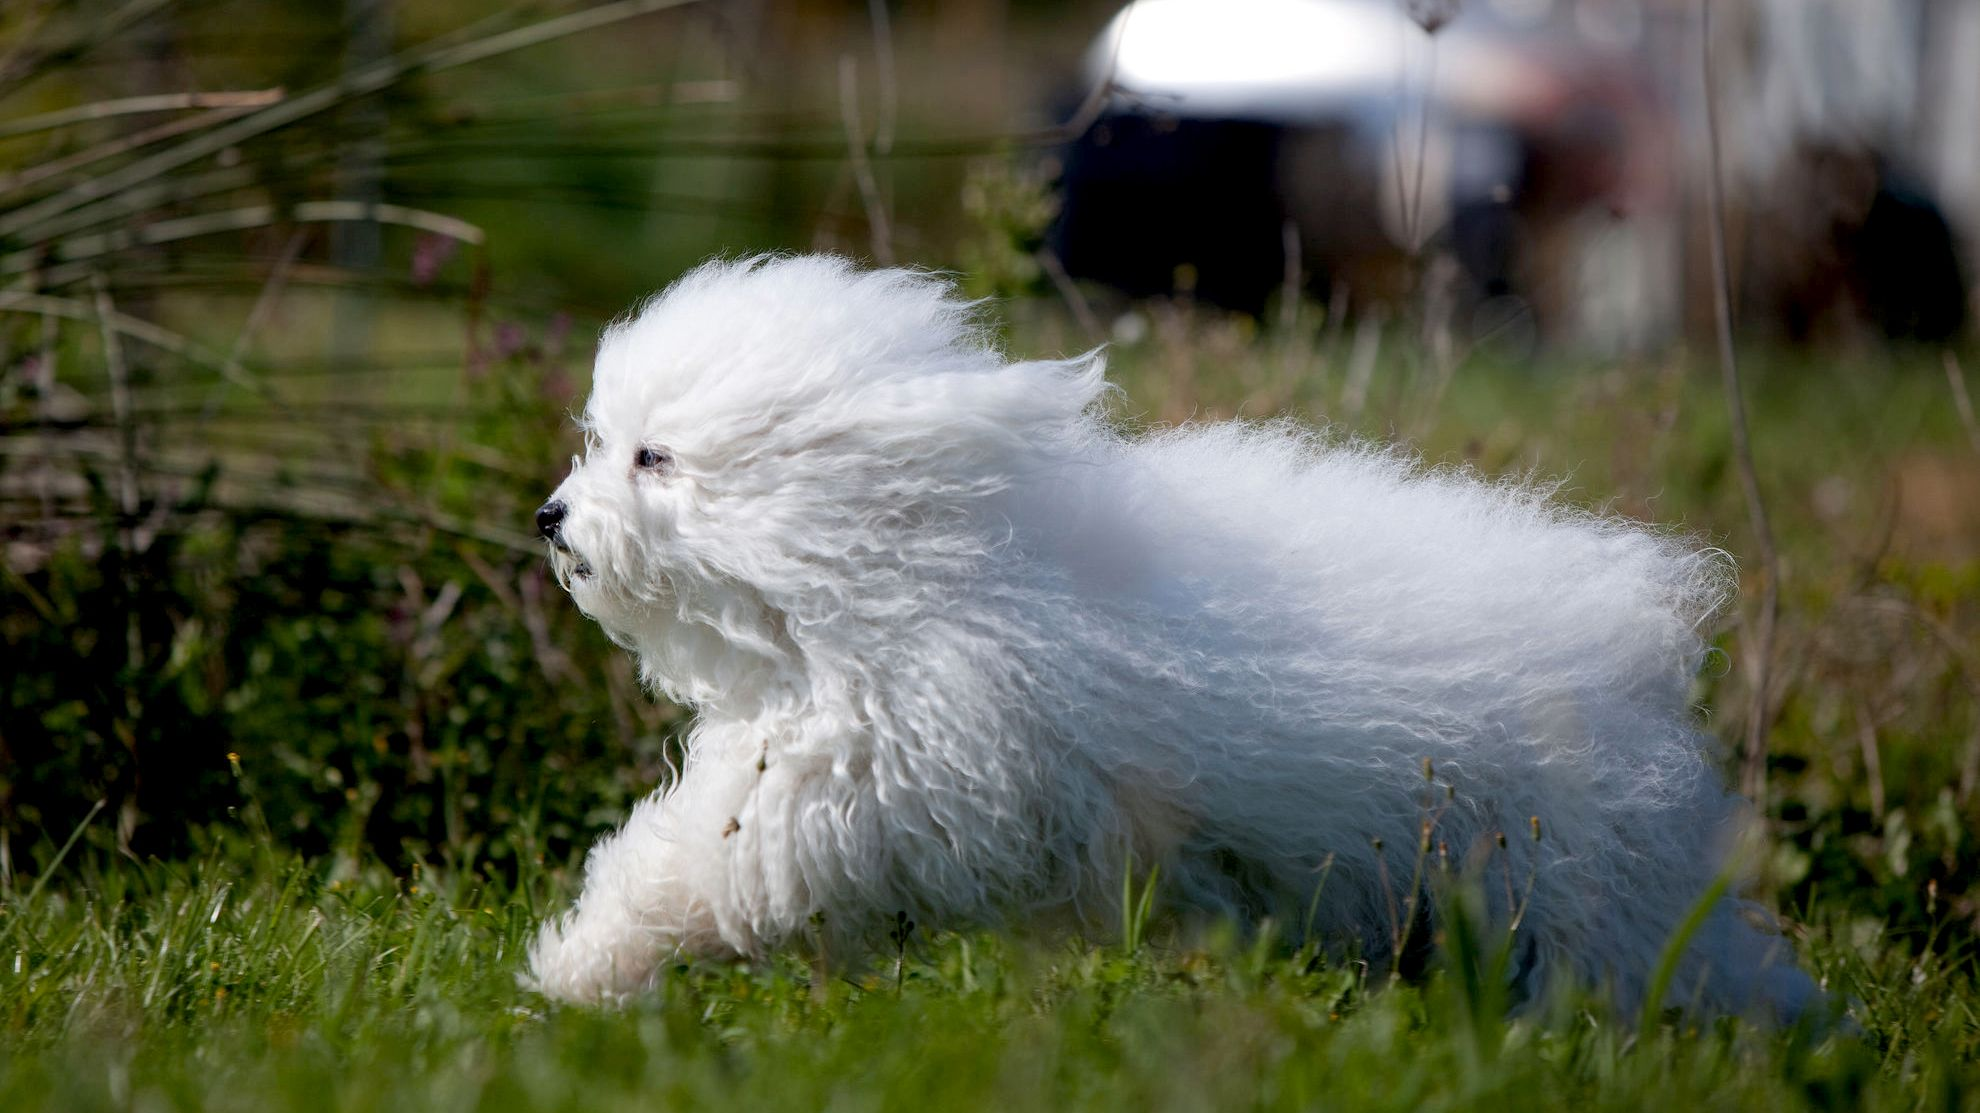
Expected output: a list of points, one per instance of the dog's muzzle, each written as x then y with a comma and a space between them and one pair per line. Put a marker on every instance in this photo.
550, 526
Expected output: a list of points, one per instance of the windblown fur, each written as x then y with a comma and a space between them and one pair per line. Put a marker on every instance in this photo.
958, 647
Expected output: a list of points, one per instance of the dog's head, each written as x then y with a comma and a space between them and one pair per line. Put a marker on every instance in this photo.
777, 445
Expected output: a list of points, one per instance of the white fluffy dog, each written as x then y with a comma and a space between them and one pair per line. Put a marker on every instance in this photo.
961, 649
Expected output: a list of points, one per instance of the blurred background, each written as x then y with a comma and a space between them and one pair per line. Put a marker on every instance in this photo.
296, 300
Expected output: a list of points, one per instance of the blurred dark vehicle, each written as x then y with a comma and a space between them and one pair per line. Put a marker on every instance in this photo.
1867, 244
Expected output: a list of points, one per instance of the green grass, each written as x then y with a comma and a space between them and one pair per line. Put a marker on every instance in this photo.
247, 983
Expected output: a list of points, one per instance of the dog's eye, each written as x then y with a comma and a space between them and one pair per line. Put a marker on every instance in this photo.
648, 458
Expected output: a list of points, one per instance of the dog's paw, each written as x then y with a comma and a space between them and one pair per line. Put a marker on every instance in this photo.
585, 963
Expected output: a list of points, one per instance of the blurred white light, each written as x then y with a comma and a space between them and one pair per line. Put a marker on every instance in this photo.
1244, 53
1295, 59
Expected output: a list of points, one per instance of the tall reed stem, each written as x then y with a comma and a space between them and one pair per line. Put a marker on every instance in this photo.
1753, 762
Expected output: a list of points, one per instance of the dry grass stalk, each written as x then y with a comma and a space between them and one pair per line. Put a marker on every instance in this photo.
123, 144
862, 166
120, 323
883, 71
1753, 762
1873, 761
23, 222
128, 504
1082, 310
264, 307
137, 106
44, 386
1962, 401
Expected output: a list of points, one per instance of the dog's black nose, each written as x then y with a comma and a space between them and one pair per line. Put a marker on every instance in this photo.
549, 519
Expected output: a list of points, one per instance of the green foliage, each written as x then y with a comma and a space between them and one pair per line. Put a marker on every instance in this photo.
384, 686
1007, 208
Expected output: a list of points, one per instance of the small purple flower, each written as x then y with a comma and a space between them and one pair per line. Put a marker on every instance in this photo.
557, 386
430, 253
509, 339
558, 331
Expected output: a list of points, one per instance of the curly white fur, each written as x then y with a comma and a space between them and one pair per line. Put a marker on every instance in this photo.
959, 648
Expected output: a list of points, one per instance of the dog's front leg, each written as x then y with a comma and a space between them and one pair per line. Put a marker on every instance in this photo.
660, 887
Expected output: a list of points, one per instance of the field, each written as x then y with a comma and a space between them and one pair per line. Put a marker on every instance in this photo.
245, 974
